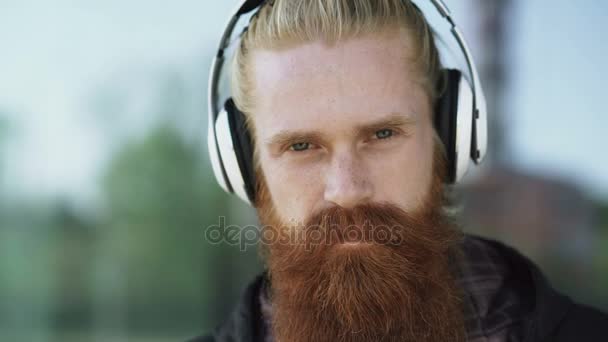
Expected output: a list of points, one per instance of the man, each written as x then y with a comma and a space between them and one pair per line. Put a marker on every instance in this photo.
340, 99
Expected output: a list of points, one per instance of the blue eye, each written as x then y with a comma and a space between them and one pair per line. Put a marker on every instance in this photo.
298, 147
384, 133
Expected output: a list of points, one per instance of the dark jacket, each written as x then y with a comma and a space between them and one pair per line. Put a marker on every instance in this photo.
509, 300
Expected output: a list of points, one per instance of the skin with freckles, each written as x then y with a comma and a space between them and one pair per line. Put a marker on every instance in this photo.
342, 125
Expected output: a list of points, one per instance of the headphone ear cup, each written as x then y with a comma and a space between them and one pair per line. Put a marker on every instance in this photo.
454, 123
243, 148
446, 116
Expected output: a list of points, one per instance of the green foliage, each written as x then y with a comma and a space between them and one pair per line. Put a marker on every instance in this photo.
159, 179
140, 264
601, 258
603, 215
160, 198
156, 205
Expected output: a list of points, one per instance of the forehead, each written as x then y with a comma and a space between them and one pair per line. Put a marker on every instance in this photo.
314, 86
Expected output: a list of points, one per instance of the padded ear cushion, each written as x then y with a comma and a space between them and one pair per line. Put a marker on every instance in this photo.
243, 146
446, 117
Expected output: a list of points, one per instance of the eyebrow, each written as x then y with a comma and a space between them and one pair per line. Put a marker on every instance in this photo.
393, 120
285, 138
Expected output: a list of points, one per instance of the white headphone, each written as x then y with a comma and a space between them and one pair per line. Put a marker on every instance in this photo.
460, 117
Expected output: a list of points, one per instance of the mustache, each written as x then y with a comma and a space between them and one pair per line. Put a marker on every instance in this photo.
372, 223
381, 223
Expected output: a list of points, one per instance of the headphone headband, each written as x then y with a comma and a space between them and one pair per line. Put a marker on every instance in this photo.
478, 125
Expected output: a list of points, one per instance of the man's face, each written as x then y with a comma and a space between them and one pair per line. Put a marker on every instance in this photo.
342, 125
346, 145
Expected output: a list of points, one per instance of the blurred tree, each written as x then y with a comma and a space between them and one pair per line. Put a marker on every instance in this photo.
601, 260
71, 240
139, 265
40, 277
160, 198
603, 214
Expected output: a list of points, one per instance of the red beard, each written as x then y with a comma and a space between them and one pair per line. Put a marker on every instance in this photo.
394, 285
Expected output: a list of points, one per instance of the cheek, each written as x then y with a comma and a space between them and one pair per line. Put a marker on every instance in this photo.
294, 190
404, 177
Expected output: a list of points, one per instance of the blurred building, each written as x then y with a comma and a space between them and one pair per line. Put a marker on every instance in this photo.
550, 220
541, 216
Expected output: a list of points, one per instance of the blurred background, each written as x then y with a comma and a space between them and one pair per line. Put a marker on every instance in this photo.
106, 188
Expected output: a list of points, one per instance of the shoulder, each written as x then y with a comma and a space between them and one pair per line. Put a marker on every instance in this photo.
582, 323
499, 289
545, 313
244, 323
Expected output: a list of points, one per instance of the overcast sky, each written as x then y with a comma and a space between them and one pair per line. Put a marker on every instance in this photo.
54, 56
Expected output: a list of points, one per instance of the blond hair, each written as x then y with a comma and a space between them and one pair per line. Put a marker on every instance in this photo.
284, 23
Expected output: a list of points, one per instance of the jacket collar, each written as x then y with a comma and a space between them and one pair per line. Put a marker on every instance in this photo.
524, 294
538, 307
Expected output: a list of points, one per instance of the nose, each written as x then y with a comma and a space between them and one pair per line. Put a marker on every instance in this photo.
347, 182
